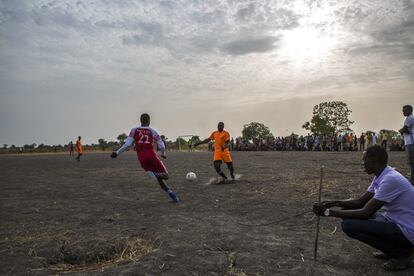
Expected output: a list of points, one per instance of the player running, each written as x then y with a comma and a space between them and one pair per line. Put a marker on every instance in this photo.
79, 149
144, 137
221, 140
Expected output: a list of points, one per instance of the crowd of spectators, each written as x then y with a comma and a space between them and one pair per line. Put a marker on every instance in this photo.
337, 142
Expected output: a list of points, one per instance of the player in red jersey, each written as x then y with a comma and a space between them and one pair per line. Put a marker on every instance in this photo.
144, 138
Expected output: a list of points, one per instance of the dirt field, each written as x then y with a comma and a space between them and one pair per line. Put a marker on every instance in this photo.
104, 216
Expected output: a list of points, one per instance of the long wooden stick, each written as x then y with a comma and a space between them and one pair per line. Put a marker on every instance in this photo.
315, 252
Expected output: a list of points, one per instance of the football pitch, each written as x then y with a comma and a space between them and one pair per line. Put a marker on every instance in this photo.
106, 216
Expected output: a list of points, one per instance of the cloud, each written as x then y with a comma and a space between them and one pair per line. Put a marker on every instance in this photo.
151, 33
400, 51
384, 23
202, 29
249, 45
400, 33
245, 13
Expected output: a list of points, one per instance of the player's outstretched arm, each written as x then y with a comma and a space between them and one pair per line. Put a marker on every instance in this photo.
202, 142
125, 146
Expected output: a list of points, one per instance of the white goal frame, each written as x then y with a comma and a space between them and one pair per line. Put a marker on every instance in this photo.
184, 136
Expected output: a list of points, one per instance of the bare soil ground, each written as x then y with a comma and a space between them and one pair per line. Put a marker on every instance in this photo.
106, 217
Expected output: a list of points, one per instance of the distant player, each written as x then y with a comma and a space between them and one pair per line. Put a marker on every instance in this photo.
71, 148
79, 149
222, 144
144, 138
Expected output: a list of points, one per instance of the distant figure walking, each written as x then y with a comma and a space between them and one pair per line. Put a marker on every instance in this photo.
374, 139
164, 141
384, 140
350, 141
369, 139
408, 132
362, 142
71, 148
79, 149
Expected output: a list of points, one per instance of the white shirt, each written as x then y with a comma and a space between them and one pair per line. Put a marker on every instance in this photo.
397, 193
374, 139
409, 137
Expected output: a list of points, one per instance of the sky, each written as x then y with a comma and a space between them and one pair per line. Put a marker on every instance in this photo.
90, 68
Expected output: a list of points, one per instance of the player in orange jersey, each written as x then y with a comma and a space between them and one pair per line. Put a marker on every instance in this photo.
79, 149
222, 143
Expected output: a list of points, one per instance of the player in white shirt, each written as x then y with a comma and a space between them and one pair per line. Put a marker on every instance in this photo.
408, 132
144, 138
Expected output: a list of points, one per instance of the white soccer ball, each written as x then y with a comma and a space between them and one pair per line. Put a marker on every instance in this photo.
191, 176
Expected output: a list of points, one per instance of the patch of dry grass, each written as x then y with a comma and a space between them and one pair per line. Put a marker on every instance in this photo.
66, 251
134, 249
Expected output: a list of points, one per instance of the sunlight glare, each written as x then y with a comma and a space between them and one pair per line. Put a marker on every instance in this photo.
307, 44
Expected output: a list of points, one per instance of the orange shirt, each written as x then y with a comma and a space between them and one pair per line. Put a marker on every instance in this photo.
79, 146
220, 139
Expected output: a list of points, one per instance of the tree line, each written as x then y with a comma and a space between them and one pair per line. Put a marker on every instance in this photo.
328, 118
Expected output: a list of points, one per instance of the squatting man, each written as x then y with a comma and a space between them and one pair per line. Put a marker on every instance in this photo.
383, 217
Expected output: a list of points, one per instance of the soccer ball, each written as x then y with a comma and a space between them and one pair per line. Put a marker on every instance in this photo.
191, 176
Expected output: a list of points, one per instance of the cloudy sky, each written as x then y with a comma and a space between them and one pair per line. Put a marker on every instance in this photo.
90, 68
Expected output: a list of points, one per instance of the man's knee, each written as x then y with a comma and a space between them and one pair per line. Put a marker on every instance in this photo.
163, 176
217, 165
349, 227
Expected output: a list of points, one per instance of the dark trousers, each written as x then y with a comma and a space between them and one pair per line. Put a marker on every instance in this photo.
410, 153
78, 157
380, 234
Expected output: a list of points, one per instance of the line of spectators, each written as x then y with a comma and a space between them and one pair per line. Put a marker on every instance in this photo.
338, 142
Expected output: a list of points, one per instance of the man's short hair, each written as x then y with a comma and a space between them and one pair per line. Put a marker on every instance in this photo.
145, 118
377, 152
409, 107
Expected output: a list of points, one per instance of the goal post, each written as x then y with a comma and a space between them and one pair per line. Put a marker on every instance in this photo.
189, 136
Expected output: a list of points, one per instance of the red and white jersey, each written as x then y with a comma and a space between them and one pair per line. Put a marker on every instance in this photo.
144, 138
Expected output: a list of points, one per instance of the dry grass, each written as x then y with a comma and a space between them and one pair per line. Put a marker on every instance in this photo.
133, 251
66, 251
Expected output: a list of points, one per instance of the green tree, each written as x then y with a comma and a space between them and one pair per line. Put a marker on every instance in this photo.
181, 143
193, 140
29, 147
121, 138
319, 125
4, 146
256, 130
112, 145
329, 118
102, 144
